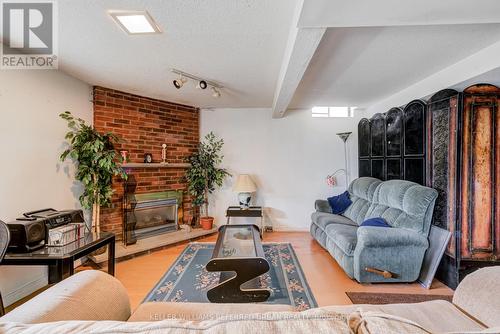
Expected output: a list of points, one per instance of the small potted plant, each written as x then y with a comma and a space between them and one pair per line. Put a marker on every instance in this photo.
204, 175
96, 164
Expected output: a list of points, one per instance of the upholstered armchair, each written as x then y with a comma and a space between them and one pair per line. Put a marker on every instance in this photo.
378, 254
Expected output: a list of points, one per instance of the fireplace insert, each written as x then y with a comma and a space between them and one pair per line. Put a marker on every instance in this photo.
149, 214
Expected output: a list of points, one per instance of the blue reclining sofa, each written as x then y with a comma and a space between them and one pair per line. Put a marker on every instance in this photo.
378, 254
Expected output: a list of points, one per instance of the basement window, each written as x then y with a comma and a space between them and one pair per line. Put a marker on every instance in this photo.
332, 111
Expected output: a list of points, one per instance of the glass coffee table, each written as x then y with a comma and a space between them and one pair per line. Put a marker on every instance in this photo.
239, 256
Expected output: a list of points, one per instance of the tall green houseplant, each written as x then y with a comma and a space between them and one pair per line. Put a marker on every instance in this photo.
95, 157
204, 174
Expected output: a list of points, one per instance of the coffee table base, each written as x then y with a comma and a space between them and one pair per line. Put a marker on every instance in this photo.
235, 273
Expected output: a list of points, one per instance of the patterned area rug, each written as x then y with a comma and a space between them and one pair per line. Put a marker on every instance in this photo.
392, 298
188, 281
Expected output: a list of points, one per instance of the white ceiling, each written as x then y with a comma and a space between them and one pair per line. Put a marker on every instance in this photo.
359, 66
267, 53
237, 43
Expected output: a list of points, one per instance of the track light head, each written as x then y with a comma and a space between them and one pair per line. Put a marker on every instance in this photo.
178, 83
215, 92
202, 84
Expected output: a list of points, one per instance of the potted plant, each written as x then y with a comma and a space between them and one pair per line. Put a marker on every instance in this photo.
94, 154
204, 175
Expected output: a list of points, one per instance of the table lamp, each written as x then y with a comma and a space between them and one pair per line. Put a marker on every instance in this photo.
245, 187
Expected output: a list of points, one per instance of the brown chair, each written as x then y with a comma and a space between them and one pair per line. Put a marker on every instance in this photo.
4, 242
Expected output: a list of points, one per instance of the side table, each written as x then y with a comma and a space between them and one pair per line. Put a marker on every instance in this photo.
251, 212
60, 260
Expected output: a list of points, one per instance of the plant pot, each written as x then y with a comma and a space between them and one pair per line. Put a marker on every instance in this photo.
207, 223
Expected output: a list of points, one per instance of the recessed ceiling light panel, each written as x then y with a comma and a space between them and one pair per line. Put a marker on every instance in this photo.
135, 22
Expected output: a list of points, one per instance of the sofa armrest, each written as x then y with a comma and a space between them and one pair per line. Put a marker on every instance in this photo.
388, 254
479, 295
87, 295
370, 236
322, 205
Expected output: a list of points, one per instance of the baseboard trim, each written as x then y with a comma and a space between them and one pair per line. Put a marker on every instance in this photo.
25, 289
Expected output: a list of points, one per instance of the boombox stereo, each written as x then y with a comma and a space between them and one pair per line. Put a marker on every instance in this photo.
26, 236
30, 232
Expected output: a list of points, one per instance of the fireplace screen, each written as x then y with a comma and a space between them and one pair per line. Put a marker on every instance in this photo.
149, 214
154, 216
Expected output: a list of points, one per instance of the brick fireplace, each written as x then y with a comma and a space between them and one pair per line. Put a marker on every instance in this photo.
144, 124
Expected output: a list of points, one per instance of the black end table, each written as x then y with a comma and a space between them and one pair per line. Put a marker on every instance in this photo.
61, 259
252, 212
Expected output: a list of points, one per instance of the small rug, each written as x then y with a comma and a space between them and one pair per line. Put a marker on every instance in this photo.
188, 281
392, 298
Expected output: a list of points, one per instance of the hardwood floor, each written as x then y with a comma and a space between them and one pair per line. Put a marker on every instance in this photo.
326, 279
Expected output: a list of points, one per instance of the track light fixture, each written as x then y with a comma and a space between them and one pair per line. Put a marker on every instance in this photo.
178, 83
202, 83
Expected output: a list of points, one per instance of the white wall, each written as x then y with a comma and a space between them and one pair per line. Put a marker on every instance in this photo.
288, 158
31, 140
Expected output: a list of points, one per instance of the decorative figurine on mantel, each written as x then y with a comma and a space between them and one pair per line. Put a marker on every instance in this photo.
164, 153
124, 156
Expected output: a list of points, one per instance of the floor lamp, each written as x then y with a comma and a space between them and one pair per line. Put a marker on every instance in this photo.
331, 178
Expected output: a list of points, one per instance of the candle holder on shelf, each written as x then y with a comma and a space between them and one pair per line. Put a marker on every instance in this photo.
164, 153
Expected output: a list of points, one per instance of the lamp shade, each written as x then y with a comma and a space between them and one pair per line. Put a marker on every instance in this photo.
244, 184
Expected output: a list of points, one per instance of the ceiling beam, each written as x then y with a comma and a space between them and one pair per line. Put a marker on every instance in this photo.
302, 45
369, 13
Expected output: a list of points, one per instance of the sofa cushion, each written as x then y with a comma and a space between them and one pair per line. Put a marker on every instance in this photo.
404, 204
361, 193
437, 316
155, 311
310, 321
344, 236
323, 219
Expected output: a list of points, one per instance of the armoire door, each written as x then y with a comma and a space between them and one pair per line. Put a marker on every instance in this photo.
377, 136
378, 169
443, 143
364, 139
393, 144
394, 132
364, 148
393, 169
377, 126
365, 167
479, 235
414, 141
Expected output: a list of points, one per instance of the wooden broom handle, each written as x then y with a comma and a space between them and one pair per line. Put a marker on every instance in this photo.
384, 273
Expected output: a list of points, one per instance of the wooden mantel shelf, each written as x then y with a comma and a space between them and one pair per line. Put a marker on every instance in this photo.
155, 165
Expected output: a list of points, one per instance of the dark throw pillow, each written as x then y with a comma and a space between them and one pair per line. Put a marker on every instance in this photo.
340, 203
378, 222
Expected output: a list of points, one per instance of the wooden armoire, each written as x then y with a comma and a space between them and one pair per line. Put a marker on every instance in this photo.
464, 157
462, 162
